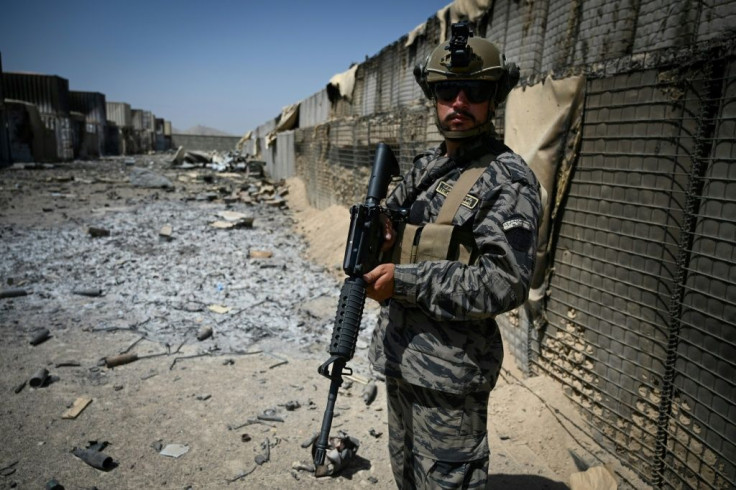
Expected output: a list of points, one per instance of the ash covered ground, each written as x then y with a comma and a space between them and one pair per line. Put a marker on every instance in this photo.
93, 256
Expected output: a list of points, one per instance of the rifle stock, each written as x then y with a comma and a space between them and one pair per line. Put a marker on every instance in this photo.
362, 254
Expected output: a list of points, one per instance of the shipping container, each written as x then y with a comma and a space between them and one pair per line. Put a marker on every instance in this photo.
29, 138
120, 114
95, 139
5, 154
91, 104
87, 137
137, 119
62, 127
5, 157
159, 138
145, 140
49, 93
113, 140
94, 107
148, 120
76, 120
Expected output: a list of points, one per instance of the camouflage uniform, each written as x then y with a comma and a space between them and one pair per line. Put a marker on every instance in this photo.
437, 341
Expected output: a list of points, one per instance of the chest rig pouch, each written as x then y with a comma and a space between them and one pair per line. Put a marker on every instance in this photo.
441, 240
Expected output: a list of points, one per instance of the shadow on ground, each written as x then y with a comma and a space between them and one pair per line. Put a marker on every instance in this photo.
523, 482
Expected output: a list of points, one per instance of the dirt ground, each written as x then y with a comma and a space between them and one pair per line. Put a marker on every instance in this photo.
241, 408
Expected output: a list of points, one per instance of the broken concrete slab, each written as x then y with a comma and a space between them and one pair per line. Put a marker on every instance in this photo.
178, 156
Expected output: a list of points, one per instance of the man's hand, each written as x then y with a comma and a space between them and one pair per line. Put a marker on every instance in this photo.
380, 282
389, 236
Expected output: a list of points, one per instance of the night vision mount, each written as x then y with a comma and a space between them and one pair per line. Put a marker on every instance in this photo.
460, 52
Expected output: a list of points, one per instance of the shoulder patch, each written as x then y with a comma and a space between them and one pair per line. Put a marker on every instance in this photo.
519, 233
516, 223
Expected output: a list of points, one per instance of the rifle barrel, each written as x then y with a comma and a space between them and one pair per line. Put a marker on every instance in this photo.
324, 434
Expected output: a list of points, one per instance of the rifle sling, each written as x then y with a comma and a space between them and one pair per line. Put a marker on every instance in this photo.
433, 241
458, 192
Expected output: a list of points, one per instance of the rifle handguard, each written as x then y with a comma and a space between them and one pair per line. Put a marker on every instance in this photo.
347, 319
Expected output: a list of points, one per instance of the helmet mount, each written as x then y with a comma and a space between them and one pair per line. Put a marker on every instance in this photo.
460, 51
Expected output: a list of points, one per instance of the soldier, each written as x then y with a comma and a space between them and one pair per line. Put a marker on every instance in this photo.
465, 254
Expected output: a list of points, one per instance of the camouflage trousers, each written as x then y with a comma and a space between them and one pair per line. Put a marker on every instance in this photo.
437, 440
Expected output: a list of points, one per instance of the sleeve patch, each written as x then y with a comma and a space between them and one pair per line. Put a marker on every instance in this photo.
516, 223
519, 238
518, 233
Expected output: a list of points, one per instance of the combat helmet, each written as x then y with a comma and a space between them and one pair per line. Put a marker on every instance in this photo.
465, 57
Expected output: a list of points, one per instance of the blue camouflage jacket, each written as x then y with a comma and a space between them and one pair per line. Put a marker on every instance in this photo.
439, 330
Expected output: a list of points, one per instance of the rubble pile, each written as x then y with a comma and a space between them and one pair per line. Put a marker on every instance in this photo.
218, 161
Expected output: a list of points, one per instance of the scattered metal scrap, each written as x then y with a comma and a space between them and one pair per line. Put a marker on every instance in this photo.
12, 293
218, 161
265, 456
40, 378
126, 357
93, 456
242, 474
40, 336
8, 468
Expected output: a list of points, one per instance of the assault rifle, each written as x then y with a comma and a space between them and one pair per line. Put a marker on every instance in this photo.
362, 254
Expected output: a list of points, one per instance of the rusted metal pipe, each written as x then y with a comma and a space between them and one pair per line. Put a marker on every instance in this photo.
120, 359
96, 459
12, 293
39, 378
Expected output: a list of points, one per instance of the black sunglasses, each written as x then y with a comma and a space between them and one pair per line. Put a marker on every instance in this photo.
475, 90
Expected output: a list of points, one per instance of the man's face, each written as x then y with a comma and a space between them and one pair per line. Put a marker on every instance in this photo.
462, 105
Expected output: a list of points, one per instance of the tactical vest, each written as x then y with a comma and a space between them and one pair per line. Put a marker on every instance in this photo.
441, 240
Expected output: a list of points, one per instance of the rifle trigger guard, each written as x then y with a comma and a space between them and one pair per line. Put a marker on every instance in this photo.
324, 369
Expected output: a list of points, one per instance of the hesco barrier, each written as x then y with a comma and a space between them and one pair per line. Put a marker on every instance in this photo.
639, 324
641, 303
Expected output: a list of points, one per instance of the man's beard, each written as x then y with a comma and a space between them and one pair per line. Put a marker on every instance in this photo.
446, 123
